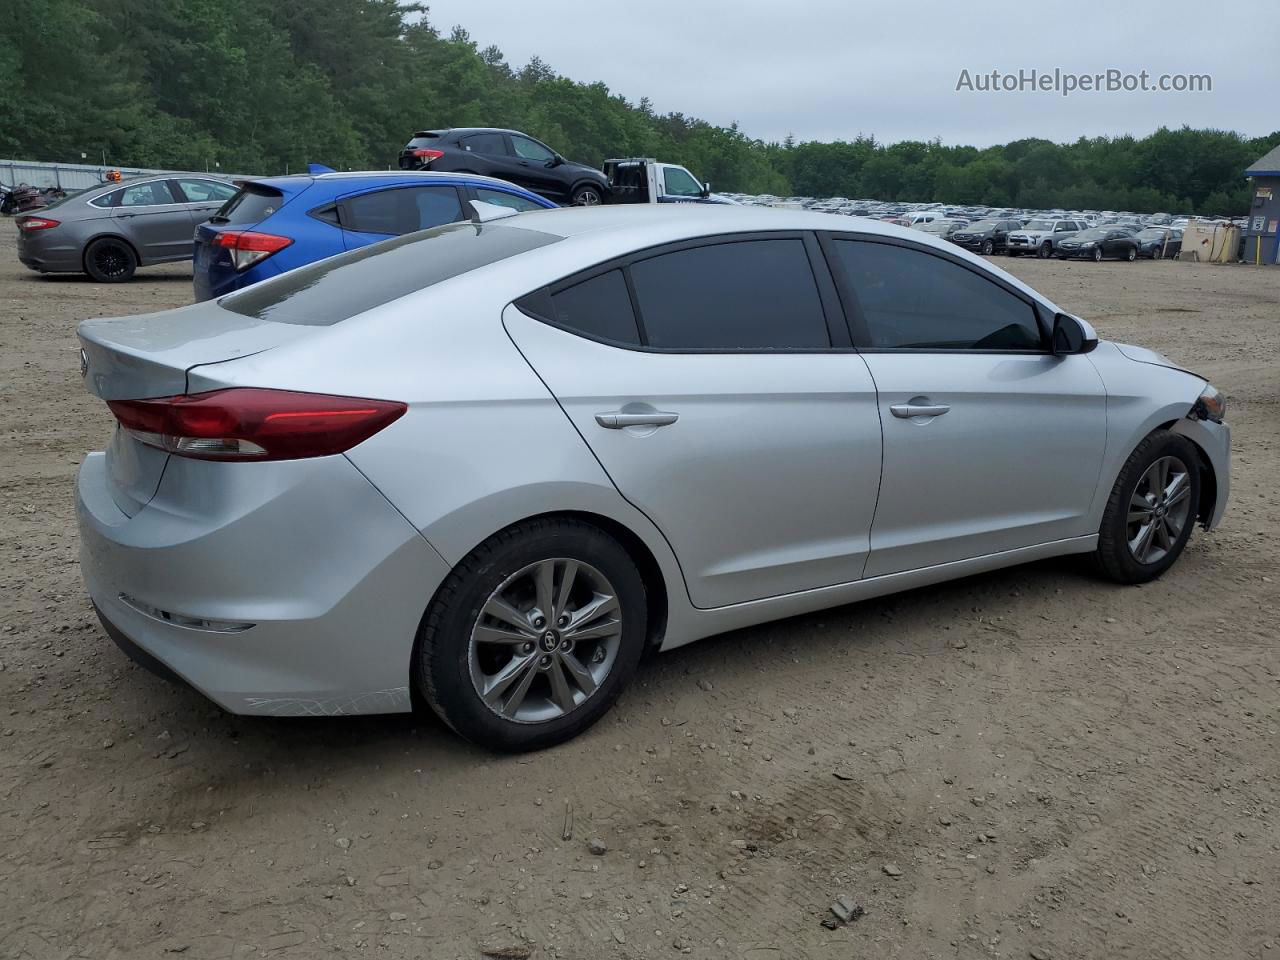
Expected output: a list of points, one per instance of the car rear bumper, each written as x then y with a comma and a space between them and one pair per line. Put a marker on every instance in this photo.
309, 586
47, 255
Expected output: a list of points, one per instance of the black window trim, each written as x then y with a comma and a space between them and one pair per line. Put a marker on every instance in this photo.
537, 303
345, 216
858, 328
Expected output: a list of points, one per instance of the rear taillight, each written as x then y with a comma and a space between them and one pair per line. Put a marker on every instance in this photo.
31, 224
247, 423
426, 156
248, 248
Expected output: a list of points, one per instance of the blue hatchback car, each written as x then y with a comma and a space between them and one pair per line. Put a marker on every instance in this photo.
275, 224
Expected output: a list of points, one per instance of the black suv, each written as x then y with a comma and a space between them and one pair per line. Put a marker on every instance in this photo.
985, 236
508, 155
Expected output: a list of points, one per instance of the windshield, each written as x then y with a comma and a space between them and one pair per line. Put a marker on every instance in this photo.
328, 291
1097, 233
1039, 225
1153, 233
984, 225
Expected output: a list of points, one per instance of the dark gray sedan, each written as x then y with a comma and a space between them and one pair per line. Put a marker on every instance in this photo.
111, 230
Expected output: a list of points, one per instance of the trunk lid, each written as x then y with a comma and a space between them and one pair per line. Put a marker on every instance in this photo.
135, 358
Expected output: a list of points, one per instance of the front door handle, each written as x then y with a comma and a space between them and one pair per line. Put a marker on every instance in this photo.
618, 420
905, 411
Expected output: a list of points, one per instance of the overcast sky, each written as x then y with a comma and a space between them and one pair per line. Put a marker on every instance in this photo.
830, 69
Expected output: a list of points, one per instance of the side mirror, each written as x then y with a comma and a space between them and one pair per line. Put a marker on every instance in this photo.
555, 161
1072, 336
706, 190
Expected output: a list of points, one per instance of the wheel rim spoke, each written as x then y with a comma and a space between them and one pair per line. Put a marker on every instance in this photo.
488, 634
522, 689
600, 605
565, 588
544, 578
560, 691
502, 611
581, 675
514, 671
596, 631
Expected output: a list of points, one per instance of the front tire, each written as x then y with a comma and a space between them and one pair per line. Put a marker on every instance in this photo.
1133, 254
1097, 255
987, 248
586, 195
1151, 510
110, 260
1046, 250
533, 635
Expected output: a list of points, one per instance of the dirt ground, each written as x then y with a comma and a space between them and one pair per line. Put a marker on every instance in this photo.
1031, 763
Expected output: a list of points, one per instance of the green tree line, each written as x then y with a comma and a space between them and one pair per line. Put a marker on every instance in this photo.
265, 86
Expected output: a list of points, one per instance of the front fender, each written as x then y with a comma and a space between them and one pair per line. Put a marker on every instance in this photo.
1214, 442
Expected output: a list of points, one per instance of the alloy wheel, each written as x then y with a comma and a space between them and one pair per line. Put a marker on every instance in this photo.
1159, 510
110, 260
586, 198
545, 640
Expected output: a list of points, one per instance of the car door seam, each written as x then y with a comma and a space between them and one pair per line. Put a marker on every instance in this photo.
551, 393
875, 510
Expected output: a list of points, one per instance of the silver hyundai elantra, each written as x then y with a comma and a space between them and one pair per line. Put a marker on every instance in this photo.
488, 466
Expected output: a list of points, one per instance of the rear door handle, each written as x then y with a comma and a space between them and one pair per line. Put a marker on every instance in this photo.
905, 411
616, 421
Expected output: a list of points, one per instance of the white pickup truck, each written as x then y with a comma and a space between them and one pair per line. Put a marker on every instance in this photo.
645, 180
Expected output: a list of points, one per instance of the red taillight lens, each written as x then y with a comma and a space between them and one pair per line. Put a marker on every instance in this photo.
426, 156
37, 223
246, 423
247, 247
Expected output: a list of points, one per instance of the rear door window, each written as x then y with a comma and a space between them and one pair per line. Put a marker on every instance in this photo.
490, 144
402, 210
913, 300
741, 295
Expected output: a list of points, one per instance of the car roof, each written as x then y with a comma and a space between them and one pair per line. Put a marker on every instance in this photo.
298, 181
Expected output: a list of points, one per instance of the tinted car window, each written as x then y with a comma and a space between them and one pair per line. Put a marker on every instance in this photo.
329, 291
912, 299
744, 295
402, 210
253, 203
493, 144
146, 194
504, 199
599, 307
530, 149
206, 191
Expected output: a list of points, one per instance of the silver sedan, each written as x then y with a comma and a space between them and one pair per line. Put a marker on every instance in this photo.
487, 466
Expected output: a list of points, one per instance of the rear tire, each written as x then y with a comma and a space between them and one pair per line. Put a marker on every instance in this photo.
110, 260
1152, 508
526, 678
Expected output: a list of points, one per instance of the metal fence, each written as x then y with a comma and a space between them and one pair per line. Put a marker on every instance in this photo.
72, 176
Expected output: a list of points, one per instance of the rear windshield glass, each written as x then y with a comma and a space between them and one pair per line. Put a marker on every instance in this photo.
331, 290
252, 204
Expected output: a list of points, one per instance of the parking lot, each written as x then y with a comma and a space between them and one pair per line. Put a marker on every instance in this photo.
1026, 763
